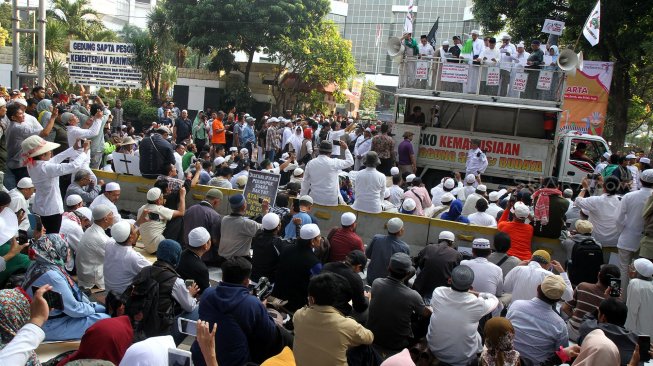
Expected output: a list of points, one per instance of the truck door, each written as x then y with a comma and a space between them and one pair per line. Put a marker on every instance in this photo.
581, 158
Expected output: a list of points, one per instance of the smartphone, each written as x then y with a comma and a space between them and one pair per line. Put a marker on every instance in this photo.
153, 216
615, 287
189, 283
35, 222
260, 200
178, 357
644, 342
53, 298
187, 326
336, 142
20, 212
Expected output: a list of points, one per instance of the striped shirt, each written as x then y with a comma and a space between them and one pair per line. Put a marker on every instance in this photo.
587, 297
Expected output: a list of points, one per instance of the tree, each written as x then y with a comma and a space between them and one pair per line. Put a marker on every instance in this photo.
242, 25
625, 39
369, 96
77, 15
148, 58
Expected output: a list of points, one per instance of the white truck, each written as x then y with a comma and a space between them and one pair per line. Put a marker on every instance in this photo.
519, 130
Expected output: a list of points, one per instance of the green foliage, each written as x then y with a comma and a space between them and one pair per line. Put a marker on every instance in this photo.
81, 20
133, 107
148, 115
148, 56
369, 96
5, 18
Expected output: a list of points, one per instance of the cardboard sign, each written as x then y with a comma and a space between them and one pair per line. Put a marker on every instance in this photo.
493, 76
553, 27
260, 186
422, 70
126, 163
454, 73
519, 84
544, 80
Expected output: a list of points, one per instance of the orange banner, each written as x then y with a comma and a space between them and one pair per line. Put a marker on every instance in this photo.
586, 98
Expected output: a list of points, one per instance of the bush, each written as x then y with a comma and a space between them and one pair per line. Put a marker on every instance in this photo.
148, 115
133, 107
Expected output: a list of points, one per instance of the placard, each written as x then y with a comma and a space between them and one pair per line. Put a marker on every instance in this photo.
544, 80
454, 73
263, 186
553, 27
126, 163
106, 64
422, 70
519, 84
493, 75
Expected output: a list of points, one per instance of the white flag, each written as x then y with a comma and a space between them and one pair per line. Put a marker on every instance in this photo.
593, 24
408, 23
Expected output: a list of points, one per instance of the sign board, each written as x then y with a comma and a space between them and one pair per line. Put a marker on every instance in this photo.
260, 185
454, 73
422, 70
519, 84
357, 87
126, 163
104, 64
544, 80
554, 27
493, 76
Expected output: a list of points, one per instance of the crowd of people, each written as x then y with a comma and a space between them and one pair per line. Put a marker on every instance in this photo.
291, 292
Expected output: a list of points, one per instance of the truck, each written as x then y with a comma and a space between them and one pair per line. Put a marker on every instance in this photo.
514, 111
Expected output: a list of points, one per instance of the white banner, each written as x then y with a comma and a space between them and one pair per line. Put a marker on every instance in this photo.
544, 80
493, 75
104, 64
454, 73
519, 84
593, 24
422, 70
553, 27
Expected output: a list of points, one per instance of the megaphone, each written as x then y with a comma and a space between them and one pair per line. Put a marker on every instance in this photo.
569, 61
395, 48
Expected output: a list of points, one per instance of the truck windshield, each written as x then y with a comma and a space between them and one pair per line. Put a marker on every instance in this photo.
586, 150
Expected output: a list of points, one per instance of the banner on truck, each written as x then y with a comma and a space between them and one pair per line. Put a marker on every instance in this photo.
586, 98
422, 70
454, 73
104, 64
493, 76
519, 84
544, 80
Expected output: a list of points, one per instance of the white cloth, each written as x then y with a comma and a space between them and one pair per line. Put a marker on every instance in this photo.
183, 297
73, 232
335, 135
180, 169
452, 335
639, 303
476, 164
630, 222
493, 209
488, 54
369, 190
245, 173
150, 352
285, 136
89, 259
425, 50
45, 177
478, 46
362, 146
521, 58
121, 265
438, 191
482, 219
465, 192
321, 180
470, 203
603, 212
396, 195
17, 203
635, 173
507, 60
75, 133
19, 350
488, 277
522, 282
103, 200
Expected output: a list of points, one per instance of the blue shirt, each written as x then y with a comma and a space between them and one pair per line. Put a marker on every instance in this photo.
379, 252
291, 228
245, 134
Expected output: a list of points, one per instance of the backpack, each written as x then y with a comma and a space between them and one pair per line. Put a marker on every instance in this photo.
143, 299
586, 261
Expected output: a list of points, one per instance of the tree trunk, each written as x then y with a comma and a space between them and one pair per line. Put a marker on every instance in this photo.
250, 60
619, 112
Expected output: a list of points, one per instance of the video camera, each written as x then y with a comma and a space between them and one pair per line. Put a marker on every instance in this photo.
262, 289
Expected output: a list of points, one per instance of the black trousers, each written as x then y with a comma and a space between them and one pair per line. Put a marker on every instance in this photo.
386, 165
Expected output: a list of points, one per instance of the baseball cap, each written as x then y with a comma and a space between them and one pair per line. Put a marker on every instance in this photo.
394, 225
553, 286
446, 235
270, 221
462, 278
347, 219
401, 263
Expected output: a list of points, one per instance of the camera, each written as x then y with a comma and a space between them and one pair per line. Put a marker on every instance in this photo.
263, 288
593, 176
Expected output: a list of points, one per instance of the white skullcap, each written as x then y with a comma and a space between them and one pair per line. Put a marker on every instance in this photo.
644, 267
470, 178
647, 176
309, 231
100, 212
297, 172
446, 235
521, 210
25, 183
445, 43
481, 243
270, 221
645, 160
606, 155
347, 219
120, 231
447, 197
153, 194
520, 44
111, 186
21, 101
244, 151
394, 225
394, 170
386, 193
409, 204
449, 183
494, 196
475, 31
73, 199
3, 102
410, 178
568, 192
631, 156
233, 148
86, 212
285, 156
198, 237
218, 161
481, 188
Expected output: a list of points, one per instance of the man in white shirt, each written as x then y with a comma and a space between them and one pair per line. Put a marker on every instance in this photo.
634, 171
121, 262
490, 55
493, 208
477, 45
630, 224
476, 159
20, 201
321, 180
507, 50
362, 146
425, 49
74, 132
640, 298
90, 253
470, 201
180, 150
522, 281
109, 198
370, 186
453, 330
521, 56
336, 134
73, 225
159, 215
481, 217
396, 192
448, 185
602, 211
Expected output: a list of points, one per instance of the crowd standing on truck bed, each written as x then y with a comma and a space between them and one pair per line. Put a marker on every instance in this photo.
289, 292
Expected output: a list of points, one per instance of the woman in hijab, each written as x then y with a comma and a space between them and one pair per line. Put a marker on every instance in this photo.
499, 350
296, 140
44, 110
597, 350
50, 253
106, 340
14, 313
454, 213
150, 352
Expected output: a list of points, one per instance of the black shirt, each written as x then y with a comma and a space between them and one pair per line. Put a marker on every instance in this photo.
357, 295
191, 267
266, 249
184, 127
419, 120
436, 262
296, 266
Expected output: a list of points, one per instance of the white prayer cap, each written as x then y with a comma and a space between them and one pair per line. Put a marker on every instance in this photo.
631, 156
606, 155
347, 219
297, 172
394, 171
198, 237
100, 211
120, 231
446, 235
218, 161
386, 193
647, 176
481, 188
494, 196
25, 183
233, 148
394, 225
470, 178
449, 183
309, 231
645, 160
521, 210
644, 267
285, 156
475, 31
153, 194
112, 186
445, 43
21, 101
481, 243
3, 102
506, 36
244, 151
270, 221
520, 44
410, 178
73, 199
447, 197
86, 212
409, 205
568, 192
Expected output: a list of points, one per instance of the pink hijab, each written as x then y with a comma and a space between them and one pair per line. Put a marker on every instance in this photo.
597, 350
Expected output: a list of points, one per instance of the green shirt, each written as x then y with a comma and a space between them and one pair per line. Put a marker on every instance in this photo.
186, 160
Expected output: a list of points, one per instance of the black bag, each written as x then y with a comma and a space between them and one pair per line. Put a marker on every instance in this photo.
585, 263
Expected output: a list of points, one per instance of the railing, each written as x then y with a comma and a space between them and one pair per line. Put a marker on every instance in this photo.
508, 80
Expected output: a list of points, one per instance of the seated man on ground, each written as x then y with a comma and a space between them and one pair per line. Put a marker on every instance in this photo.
121, 262
522, 281
190, 265
344, 239
159, 216
355, 305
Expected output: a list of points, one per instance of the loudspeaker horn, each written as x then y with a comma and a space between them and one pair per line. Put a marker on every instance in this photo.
569, 61
395, 47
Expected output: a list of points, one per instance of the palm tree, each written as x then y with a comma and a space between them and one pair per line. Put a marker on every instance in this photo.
77, 15
148, 58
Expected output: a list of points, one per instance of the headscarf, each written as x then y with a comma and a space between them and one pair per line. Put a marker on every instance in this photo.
454, 213
43, 110
296, 139
169, 251
597, 350
555, 50
542, 206
499, 349
49, 252
108, 340
308, 133
14, 313
150, 352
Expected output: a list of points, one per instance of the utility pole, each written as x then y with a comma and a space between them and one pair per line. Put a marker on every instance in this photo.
17, 31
